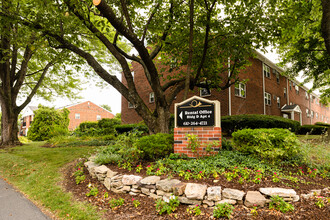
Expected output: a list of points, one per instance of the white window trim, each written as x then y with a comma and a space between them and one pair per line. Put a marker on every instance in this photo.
98, 117
77, 116
241, 89
266, 70
268, 98
151, 97
277, 75
203, 91
278, 100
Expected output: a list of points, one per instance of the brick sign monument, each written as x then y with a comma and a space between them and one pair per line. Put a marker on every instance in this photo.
199, 117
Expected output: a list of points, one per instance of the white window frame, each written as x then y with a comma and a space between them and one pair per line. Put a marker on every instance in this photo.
77, 116
277, 75
151, 97
268, 98
278, 100
312, 114
306, 95
296, 87
240, 90
290, 84
130, 105
316, 115
266, 70
285, 93
203, 92
98, 117
307, 113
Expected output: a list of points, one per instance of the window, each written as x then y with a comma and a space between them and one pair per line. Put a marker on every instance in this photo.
151, 97
312, 99
277, 74
77, 116
322, 117
307, 112
204, 91
268, 98
285, 116
130, 105
290, 85
133, 74
284, 92
240, 90
297, 89
306, 95
98, 117
312, 114
267, 71
316, 115
279, 102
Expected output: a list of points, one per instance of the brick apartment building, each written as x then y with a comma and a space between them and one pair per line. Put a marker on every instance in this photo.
266, 92
81, 112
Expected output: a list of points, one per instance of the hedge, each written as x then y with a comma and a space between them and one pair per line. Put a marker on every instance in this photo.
229, 124
322, 124
312, 129
124, 128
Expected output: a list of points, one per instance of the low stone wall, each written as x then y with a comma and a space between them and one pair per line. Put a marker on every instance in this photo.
188, 193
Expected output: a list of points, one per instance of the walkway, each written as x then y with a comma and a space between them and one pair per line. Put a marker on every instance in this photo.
14, 206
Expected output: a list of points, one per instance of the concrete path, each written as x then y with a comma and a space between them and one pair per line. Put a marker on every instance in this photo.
14, 206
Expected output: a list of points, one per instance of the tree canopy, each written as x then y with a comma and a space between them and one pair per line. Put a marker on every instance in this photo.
304, 39
29, 65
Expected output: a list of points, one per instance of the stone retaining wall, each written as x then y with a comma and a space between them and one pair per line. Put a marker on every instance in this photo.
188, 193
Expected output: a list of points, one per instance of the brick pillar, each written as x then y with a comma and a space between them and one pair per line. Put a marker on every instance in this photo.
205, 135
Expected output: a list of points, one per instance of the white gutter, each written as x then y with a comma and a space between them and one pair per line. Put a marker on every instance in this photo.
229, 90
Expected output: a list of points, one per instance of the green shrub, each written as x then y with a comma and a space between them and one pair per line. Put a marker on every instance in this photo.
226, 144
270, 144
233, 123
125, 128
49, 123
322, 124
279, 204
103, 127
155, 146
124, 149
312, 129
223, 210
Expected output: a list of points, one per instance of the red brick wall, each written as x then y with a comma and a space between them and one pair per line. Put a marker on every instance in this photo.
88, 112
205, 135
253, 103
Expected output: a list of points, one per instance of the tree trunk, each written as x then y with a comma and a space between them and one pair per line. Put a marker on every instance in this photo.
159, 123
326, 24
9, 128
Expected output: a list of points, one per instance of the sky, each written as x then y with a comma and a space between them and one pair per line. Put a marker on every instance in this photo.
108, 95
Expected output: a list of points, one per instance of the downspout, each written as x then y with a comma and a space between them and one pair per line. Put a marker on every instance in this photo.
263, 87
229, 90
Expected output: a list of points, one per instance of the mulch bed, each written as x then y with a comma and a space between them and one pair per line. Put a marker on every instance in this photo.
304, 209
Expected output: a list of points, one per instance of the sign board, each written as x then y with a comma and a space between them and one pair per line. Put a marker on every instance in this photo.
196, 112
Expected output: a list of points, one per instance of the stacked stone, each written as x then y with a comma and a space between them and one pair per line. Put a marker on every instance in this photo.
188, 193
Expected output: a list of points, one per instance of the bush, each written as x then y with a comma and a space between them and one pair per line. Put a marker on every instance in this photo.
226, 144
322, 124
312, 129
270, 144
103, 127
233, 123
125, 128
155, 146
124, 149
49, 123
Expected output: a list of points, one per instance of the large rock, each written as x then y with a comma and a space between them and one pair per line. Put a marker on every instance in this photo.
167, 185
229, 201
254, 198
235, 194
150, 180
185, 200
178, 189
195, 191
214, 193
111, 173
286, 193
129, 180
107, 183
101, 169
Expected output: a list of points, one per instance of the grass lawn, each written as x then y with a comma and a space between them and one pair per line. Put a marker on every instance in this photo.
35, 170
